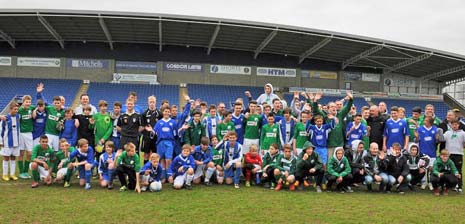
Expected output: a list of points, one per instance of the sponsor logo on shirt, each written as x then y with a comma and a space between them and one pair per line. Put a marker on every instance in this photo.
251, 123
271, 135
53, 118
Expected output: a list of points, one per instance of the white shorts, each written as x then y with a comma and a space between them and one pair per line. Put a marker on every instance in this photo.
180, 180
36, 141
54, 142
259, 167
6, 151
431, 162
248, 143
298, 152
62, 172
42, 172
199, 170
25, 141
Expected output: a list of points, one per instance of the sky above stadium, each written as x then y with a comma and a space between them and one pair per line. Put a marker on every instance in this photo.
427, 23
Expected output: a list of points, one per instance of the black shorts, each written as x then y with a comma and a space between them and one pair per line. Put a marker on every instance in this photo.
149, 145
124, 140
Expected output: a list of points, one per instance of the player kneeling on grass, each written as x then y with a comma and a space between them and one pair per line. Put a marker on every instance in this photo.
232, 158
372, 166
41, 164
151, 174
355, 157
181, 170
203, 160
339, 171
271, 161
286, 169
398, 169
62, 159
106, 165
418, 164
309, 165
128, 166
252, 165
445, 174
84, 155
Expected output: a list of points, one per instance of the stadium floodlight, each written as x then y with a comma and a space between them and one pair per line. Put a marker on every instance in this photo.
315, 48
8, 39
408, 62
160, 35
265, 42
362, 55
51, 30
106, 31
213, 38
444, 72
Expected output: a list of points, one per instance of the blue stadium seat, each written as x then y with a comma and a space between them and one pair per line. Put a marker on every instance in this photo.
27, 86
213, 94
112, 92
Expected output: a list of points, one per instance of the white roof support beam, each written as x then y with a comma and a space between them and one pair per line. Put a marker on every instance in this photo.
265, 42
315, 48
362, 55
444, 72
388, 57
8, 39
213, 38
400, 52
408, 62
377, 62
160, 36
51, 30
106, 31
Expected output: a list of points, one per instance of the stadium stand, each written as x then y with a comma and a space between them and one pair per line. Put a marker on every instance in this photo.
112, 92
440, 107
214, 94
26, 86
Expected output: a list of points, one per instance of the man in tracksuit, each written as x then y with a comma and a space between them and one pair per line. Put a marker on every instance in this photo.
374, 167
339, 171
309, 164
355, 156
398, 170
418, 164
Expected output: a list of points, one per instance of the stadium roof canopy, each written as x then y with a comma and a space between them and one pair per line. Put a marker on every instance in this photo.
17, 25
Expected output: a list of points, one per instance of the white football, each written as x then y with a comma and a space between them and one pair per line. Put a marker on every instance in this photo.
155, 186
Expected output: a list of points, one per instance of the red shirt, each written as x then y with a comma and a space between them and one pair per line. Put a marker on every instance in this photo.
253, 159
